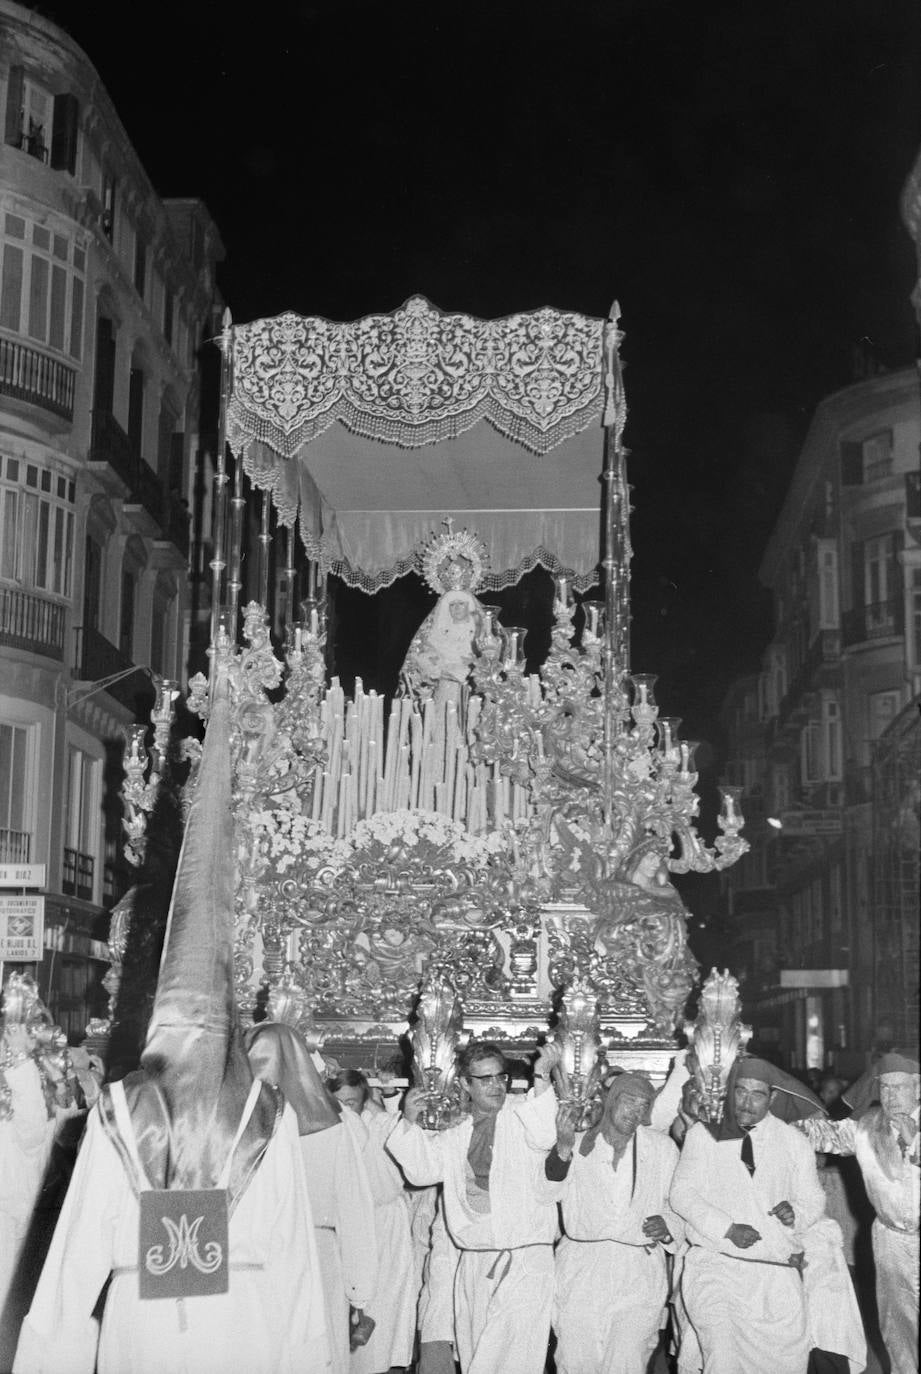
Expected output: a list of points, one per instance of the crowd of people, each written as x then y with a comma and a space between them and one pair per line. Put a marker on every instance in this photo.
239, 1206
518, 1239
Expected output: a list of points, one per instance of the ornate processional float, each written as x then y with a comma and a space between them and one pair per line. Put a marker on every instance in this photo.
488, 852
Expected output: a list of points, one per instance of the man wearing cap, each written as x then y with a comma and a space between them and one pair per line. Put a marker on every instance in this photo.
501, 1213
747, 1192
886, 1142
611, 1271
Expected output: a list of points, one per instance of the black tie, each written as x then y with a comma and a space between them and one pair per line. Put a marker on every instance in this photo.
748, 1154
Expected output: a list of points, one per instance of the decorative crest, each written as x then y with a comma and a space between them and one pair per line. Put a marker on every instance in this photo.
454, 559
717, 1038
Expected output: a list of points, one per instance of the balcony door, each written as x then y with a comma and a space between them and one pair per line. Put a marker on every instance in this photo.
104, 379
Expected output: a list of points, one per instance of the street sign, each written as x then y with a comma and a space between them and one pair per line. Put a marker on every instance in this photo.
810, 823
22, 927
814, 978
22, 875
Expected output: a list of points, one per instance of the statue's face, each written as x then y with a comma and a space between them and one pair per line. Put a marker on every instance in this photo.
458, 610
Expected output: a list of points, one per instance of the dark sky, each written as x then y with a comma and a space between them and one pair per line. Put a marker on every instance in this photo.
729, 172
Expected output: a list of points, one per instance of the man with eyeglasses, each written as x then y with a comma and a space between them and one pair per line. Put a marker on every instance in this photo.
500, 1209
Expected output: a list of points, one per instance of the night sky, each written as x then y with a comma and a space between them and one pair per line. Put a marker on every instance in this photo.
729, 172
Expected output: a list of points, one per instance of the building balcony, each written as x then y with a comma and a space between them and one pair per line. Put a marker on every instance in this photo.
15, 846
77, 875
98, 658
32, 622
881, 620
110, 444
824, 653
26, 374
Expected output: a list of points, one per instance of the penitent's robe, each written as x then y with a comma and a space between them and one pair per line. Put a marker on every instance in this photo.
393, 1306
504, 1283
26, 1139
746, 1307
272, 1320
604, 1251
343, 1218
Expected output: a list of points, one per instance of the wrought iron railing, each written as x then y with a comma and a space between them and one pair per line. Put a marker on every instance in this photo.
29, 375
824, 649
77, 876
30, 621
110, 444
15, 846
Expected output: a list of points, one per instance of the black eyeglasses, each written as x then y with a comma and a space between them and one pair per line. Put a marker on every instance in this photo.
489, 1077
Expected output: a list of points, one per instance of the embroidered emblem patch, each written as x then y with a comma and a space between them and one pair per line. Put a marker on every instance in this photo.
182, 1243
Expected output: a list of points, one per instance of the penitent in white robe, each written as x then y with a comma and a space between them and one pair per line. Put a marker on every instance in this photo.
394, 1304
343, 1218
270, 1322
611, 1287
25, 1147
896, 1199
504, 1284
746, 1307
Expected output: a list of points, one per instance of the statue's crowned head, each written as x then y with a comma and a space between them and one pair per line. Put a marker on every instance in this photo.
455, 560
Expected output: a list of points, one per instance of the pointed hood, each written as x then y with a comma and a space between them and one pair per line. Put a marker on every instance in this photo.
279, 1055
187, 1100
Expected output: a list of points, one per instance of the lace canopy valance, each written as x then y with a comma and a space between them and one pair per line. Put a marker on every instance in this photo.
375, 430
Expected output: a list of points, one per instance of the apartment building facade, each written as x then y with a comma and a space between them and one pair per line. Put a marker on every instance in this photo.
106, 294
823, 740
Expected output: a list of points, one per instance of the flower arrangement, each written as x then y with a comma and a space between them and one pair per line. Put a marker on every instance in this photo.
289, 839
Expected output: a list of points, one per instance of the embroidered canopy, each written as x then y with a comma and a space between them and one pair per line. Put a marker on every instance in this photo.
376, 430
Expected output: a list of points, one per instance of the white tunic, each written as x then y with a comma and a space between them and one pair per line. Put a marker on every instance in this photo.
393, 1306
522, 1203
747, 1307
605, 1251
504, 1282
270, 1322
25, 1147
896, 1251
343, 1217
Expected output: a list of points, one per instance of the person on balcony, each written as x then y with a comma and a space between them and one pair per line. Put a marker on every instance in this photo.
617, 1227
500, 1210
886, 1142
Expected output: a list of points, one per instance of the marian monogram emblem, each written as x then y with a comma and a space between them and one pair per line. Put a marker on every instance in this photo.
182, 1250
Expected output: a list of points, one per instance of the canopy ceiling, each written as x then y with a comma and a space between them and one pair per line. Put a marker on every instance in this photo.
375, 431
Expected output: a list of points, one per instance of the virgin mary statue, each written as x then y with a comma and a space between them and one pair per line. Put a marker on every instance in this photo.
439, 658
